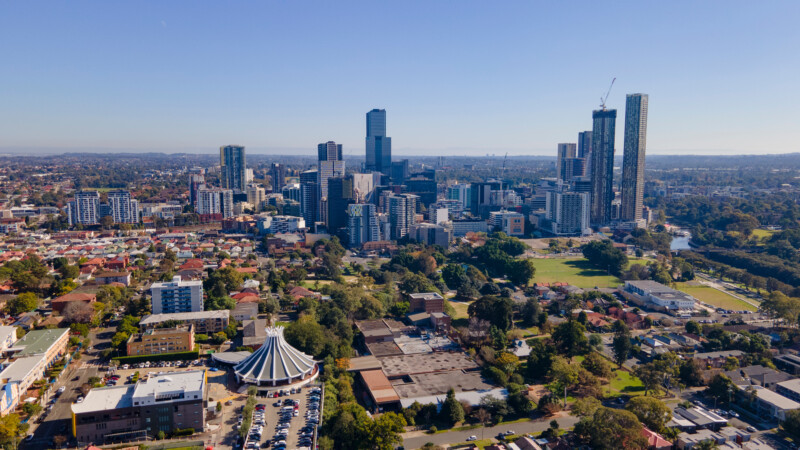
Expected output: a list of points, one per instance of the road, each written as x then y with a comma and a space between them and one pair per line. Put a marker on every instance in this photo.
59, 420
452, 437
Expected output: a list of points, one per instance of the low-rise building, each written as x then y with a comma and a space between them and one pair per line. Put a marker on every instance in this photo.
8, 336
429, 302
162, 403
60, 303
114, 277
717, 359
660, 295
162, 340
205, 322
52, 343
245, 311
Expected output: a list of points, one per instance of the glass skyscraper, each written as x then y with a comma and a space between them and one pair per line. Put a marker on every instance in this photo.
633, 156
602, 165
379, 146
233, 167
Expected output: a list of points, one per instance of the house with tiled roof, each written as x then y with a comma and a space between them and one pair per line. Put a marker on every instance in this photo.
60, 303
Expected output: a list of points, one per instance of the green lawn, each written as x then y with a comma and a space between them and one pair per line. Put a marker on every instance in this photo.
624, 383
714, 297
483, 443
575, 271
761, 233
461, 310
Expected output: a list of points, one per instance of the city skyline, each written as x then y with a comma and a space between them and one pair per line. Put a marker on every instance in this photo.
114, 77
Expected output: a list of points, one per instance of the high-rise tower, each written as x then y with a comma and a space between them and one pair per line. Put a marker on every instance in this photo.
602, 165
633, 156
565, 151
379, 146
233, 167
330, 166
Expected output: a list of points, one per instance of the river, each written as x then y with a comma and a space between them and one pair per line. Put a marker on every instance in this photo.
680, 242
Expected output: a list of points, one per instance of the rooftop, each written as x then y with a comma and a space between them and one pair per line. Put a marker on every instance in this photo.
38, 341
776, 399
426, 363
20, 368
190, 381
380, 387
153, 319
426, 296
104, 399
426, 384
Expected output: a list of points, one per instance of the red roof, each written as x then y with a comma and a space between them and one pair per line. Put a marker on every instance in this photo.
654, 440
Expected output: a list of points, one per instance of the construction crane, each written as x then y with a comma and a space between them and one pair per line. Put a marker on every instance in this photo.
603, 99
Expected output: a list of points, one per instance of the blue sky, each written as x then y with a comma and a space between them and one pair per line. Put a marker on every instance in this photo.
456, 77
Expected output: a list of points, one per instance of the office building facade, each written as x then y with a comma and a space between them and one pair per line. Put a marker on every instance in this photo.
340, 194
633, 156
233, 167
331, 165
602, 166
133, 412
379, 146
309, 196
177, 296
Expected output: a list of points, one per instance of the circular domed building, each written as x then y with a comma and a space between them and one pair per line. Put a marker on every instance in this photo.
276, 363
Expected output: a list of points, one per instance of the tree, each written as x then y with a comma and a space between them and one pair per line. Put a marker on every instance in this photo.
603, 255
507, 362
720, 388
78, 312
10, 428
452, 412
622, 342
597, 365
521, 271
652, 412
498, 311
650, 375
570, 339
384, 434
610, 428
693, 327
792, 422
586, 406
414, 283
306, 335
540, 359
25, 302
563, 374
31, 409
454, 276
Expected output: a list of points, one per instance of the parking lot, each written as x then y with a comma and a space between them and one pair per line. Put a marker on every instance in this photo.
286, 422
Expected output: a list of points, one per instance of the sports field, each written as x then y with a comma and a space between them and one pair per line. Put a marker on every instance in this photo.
575, 271
714, 297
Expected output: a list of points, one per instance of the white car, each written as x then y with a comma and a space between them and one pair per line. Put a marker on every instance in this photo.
80, 399
472, 438
62, 389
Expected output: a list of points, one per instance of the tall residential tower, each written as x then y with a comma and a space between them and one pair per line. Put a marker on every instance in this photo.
633, 157
602, 165
233, 167
379, 146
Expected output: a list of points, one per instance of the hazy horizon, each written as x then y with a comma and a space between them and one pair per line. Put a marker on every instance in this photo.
455, 78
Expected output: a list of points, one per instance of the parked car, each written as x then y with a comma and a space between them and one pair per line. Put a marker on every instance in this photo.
472, 438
